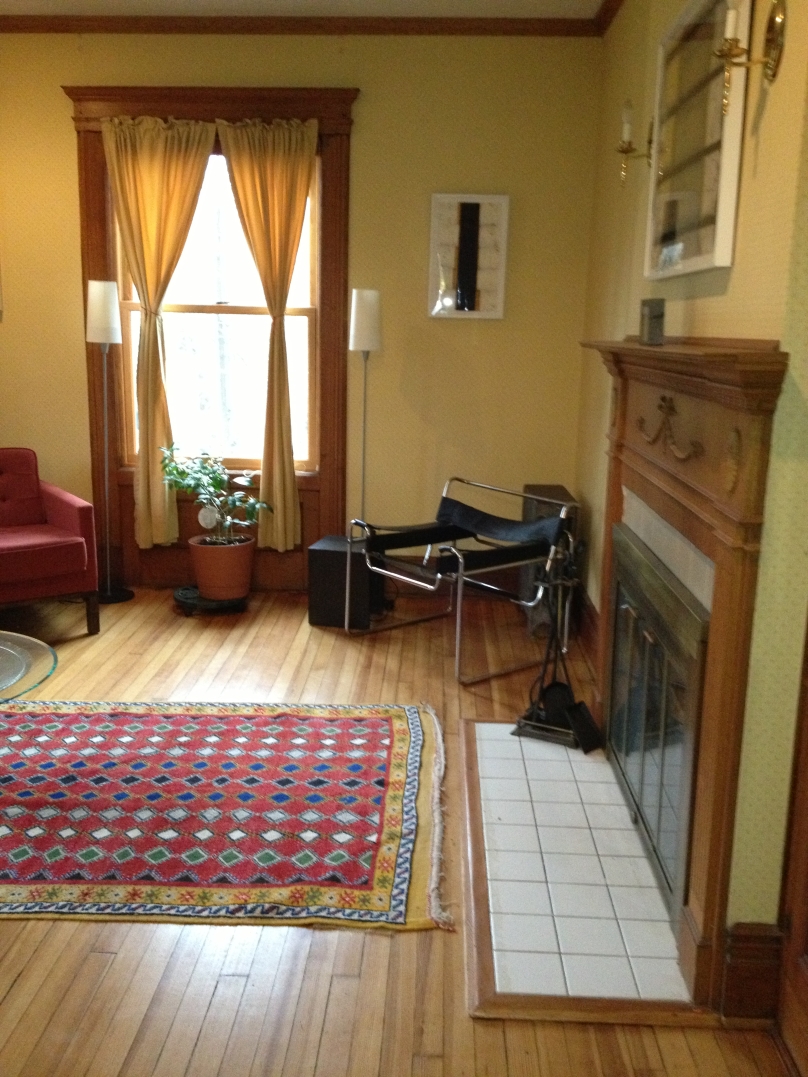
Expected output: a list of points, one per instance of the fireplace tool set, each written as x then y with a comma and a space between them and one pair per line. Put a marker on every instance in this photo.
553, 713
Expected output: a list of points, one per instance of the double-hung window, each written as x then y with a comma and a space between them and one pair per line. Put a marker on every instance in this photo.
319, 434
216, 330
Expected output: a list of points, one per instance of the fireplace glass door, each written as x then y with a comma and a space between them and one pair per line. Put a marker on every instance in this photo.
658, 646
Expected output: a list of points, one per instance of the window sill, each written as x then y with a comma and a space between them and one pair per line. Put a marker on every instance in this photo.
306, 480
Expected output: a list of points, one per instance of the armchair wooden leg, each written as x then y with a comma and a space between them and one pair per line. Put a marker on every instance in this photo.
93, 620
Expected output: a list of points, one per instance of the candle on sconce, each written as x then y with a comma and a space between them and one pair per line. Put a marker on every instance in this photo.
731, 22
627, 117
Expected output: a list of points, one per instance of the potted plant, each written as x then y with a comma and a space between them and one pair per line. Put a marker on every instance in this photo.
222, 560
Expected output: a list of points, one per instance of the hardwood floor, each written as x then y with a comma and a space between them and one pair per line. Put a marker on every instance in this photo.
84, 999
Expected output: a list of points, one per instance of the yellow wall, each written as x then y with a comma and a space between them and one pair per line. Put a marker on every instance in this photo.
495, 400
750, 299
777, 645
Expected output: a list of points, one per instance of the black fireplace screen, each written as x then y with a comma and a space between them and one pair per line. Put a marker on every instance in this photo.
660, 632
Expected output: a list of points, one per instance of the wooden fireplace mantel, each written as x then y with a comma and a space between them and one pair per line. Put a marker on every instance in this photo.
689, 435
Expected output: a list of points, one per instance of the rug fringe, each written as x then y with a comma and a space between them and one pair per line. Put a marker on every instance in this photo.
434, 906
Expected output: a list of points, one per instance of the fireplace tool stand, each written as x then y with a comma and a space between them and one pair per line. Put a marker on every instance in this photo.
553, 713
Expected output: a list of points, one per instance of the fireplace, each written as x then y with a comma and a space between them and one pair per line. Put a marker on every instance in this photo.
659, 634
688, 454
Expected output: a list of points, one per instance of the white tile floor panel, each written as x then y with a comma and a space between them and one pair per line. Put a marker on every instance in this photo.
575, 909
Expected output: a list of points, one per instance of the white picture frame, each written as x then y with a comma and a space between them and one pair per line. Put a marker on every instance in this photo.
696, 156
467, 263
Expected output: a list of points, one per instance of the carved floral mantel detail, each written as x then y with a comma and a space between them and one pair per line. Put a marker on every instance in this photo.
667, 409
730, 465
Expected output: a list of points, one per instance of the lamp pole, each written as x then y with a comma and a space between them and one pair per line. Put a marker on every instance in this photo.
365, 356
104, 328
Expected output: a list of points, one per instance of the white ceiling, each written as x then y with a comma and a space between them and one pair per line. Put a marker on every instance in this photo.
518, 9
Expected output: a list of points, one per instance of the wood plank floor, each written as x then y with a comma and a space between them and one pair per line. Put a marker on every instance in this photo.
79, 999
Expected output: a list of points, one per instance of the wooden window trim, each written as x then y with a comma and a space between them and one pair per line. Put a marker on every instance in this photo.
324, 513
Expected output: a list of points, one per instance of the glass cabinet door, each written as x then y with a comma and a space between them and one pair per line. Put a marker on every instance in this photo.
627, 690
657, 656
655, 671
674, 779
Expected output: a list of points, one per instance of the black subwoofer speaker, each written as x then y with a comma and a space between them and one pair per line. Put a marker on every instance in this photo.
327, 565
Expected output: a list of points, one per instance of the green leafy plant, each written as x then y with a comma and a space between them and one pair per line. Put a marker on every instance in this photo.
224, 509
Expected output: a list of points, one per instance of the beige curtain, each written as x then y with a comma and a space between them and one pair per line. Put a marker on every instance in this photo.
156, 170
270, 168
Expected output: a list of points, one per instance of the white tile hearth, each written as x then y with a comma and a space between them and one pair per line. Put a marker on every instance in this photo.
575, 909
520, 866
518, 972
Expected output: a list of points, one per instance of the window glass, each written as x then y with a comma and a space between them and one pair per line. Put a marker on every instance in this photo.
216, 360
216, 265
216, 380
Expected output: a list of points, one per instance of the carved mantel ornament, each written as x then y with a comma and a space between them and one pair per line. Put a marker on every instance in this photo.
667, 408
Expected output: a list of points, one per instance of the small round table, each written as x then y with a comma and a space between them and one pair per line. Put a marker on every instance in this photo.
25, 662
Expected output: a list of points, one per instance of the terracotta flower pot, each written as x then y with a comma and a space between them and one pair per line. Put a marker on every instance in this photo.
222, 572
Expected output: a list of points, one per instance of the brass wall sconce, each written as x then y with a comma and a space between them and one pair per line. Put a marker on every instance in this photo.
735, 55
626, 147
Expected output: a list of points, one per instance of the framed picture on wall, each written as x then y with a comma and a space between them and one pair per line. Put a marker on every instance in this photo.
698, 134
467, 255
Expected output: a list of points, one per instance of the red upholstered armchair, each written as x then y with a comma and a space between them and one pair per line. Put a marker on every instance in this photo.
47, 538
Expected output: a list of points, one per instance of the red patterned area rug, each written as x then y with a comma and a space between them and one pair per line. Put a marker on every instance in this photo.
208, 812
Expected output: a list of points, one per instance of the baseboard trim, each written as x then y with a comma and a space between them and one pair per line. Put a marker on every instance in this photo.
752, 969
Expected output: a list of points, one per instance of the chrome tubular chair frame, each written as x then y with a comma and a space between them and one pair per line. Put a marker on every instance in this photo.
499, 543
549, 589
396, 536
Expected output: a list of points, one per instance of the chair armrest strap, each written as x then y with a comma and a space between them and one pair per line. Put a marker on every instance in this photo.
431, 534
497, 557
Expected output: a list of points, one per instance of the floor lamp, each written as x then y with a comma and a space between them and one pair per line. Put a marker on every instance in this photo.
104, 328
365, 337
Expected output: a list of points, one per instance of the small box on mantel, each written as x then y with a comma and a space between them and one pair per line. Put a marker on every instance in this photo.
652, 321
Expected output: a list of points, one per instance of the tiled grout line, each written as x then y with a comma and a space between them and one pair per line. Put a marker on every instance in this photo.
609, 889
557, 952
544, 867
585, 803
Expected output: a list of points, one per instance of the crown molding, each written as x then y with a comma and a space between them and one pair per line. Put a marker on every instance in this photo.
605, 14
303, 24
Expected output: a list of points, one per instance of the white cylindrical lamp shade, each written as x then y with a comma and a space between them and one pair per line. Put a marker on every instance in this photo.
103, 312
366, 321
